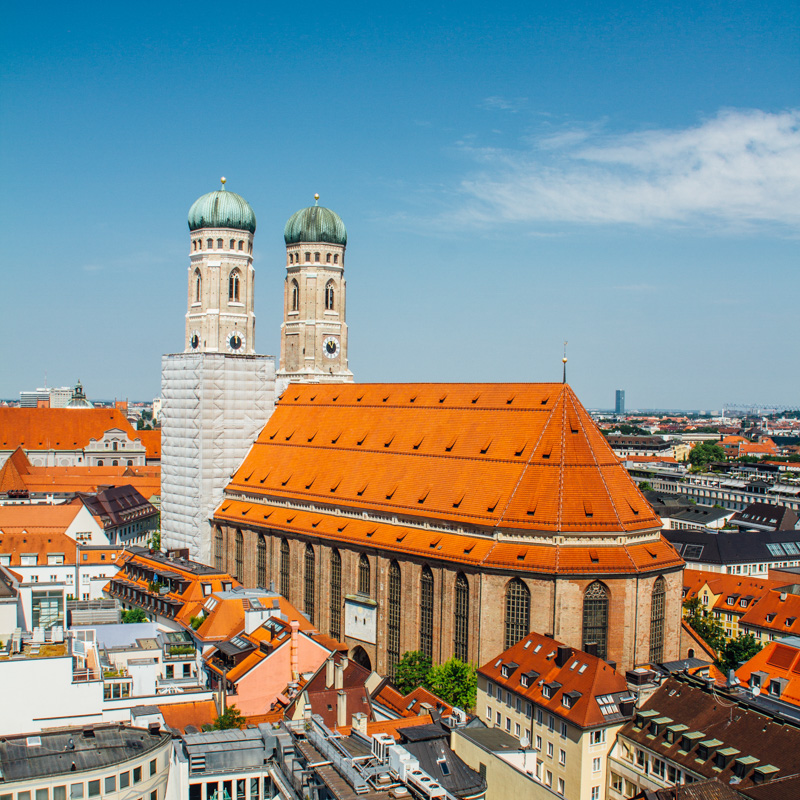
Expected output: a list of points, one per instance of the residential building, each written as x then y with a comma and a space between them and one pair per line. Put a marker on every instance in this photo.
415, 516
774, 671
564, 703
127, 517
691, 730
625, 446
109, 761
775, 615
766, 517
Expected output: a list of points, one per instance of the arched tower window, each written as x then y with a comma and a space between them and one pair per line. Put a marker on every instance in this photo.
316, 258
595, 617
198, 286
210, 244
231, 244
329, 296
363, 575
241, 244
426, 612
218, 550
336, 595
261, 562
328, 258
239, 560
461, 639
309, 582
219, 244
285, 568
233, 285
393, 619
336, 258
657, 621
295, 296
518, 612
308, 257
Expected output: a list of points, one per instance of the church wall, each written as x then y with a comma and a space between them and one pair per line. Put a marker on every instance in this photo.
556, 603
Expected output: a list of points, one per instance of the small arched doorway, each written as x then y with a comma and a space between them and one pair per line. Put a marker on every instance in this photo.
359, 655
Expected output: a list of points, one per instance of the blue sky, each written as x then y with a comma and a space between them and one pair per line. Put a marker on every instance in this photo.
623, 176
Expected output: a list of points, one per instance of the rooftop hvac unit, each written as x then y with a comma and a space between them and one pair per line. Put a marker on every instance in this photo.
401, 762
381, 742
424, 784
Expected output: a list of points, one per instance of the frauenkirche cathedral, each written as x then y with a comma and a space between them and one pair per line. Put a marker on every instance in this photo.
447, 518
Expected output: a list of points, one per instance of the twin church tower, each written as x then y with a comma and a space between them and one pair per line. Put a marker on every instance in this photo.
218, 394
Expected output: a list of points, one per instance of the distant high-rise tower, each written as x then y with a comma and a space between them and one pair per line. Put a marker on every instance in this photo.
619, 403
314, 331
218, 394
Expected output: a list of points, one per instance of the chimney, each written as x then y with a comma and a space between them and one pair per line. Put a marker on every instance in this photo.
341, 709
360, 723
590, 648
295, 626
338, 680
329, 668
563, 654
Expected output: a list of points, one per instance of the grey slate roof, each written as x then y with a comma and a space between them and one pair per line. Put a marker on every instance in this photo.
739, 547
59, 750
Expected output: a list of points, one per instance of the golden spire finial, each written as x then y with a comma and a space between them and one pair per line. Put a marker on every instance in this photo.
223, 180
316, 199
564, 362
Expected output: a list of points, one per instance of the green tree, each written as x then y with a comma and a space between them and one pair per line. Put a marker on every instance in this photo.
705, 453
454, 682
709, 629
134, 615
734, 651
231, 717
412, 670
645, 486
155, 541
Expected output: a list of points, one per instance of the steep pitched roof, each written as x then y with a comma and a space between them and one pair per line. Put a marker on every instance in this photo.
13, 473
776, 611
581, 677
777, 660
524, 456
198, 713
151, 439
58, 428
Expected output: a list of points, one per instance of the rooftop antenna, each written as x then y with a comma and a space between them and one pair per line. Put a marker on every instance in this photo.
564, 362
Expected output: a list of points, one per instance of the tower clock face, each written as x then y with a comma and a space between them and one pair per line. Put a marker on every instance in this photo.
330, 347
195, 340
235, 341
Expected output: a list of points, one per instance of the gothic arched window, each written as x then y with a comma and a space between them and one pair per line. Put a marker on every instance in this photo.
295, 296
239, 560
336, 595
210, 244
518, 612
233, 286
329, 296
309, 583
363, 575
285, 568
461, 639
595, 617
426, 612
261, 562
218, 550
231, 244
657, 621
198, 286
393, 619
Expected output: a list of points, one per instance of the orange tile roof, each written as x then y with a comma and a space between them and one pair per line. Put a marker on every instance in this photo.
58, 428
151, 439
178, 715
390, 726
537, 653
13, 471
726, 586
44, 542
35, 516
778, 660
773, 614
455, 547
525, 456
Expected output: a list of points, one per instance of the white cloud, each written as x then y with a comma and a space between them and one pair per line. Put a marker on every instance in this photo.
735, 171
497, 103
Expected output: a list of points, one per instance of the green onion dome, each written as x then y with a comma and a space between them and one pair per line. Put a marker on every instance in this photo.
315, 224
222, 209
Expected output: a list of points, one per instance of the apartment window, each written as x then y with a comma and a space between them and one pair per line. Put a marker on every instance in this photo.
489, 713
59, 793
563, 730
595, 765
548, 778
76, 791
170, 671
595, 793
561, 786
498, 719
549, 749
539, 716
616, 782
508, 724
528, 710
187, 670
551, 723
538, 744
153, 767
154, 795
517, 730
124, 780
137, 775
597, 737
658, 768
518, 705
562, 757
42, 794
94, 788
490, 688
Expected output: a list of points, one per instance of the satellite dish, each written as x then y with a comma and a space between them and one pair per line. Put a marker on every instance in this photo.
756, 691
524, 741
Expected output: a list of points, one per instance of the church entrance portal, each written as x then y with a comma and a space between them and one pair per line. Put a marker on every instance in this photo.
359, 655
